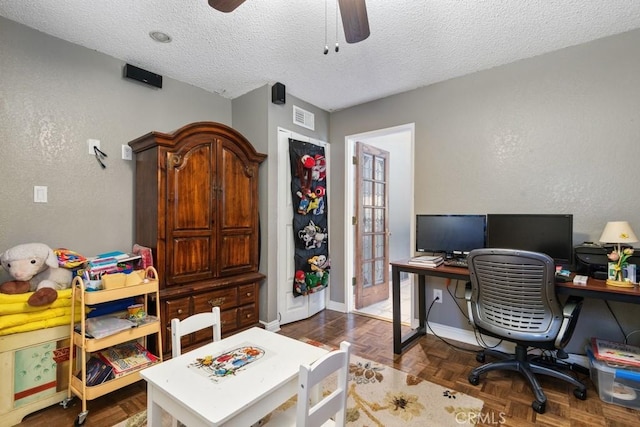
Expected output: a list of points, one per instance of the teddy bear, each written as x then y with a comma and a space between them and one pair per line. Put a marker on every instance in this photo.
34, 268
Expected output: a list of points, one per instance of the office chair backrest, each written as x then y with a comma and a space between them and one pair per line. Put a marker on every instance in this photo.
513, 294
197, 322
312, 414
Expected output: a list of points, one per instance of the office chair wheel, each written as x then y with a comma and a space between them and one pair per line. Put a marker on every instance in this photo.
480, 357
473, 379
580, 394
539, 407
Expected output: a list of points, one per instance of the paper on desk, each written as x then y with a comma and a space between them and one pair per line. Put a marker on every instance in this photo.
229, 363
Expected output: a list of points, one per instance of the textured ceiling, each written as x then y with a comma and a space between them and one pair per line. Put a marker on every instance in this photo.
413, 43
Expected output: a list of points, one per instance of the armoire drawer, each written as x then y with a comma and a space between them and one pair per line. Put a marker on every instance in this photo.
247, 315
229, 320
228, 323
247, 293
171, 309
224, 298
176, 308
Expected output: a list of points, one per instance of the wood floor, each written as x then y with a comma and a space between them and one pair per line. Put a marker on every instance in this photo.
506, 395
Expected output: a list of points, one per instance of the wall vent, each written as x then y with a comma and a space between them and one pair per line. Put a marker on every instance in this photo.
303, 118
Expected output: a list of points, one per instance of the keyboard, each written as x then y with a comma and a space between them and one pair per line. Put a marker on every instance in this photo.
456, 262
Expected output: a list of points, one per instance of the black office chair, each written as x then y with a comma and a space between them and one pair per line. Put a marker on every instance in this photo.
512, 297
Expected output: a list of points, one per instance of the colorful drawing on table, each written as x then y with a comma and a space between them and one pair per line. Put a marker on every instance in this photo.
227, 364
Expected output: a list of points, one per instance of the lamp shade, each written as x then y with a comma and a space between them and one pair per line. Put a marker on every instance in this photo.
618, 232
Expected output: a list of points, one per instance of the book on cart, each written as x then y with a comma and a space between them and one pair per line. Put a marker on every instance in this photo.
427, 260
127, 357
615, 352
97, 371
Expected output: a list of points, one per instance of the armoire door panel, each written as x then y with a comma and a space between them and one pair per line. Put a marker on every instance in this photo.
236, 252
191, 188
237, 205
191, 259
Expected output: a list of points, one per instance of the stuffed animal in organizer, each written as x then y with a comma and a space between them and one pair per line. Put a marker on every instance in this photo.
34, 268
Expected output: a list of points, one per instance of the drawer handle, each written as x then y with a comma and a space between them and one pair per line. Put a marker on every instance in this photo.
216, 302
179, 311
249, 294
248, 315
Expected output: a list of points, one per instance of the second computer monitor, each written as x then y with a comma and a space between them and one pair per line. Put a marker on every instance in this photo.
551, 234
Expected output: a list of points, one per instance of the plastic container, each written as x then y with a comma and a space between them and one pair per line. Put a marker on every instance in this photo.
120, 280
615, 384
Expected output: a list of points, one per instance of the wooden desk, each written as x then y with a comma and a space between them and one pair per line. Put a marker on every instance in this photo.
593, 289
238, 400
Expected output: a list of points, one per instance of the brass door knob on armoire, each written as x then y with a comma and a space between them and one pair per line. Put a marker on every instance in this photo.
197, 209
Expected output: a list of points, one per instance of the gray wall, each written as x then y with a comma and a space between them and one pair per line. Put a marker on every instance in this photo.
53, 97
555, 133
257, 118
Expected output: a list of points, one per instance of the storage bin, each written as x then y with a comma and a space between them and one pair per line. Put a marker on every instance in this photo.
120, 280
616, 384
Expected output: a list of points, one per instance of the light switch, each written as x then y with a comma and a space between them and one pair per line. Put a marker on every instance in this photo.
40, 194
126, 152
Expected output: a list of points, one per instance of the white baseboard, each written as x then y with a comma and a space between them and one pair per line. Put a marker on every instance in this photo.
336, 306
271, 326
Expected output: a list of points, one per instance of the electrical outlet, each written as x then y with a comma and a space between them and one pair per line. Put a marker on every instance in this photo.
437, 295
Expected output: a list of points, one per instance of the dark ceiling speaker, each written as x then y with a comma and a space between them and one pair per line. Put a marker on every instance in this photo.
277, 93
144, 76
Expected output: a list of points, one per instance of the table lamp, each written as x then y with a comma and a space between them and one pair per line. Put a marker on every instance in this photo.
618, 232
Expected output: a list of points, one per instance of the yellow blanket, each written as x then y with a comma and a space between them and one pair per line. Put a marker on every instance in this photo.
17, 316
40, 324
14, 304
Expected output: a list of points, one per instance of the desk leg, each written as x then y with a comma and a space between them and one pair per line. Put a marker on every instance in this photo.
422, 304
400, 342
154, 411
397, 318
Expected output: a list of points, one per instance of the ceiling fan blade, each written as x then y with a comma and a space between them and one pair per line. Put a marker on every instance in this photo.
354, 20
225, 5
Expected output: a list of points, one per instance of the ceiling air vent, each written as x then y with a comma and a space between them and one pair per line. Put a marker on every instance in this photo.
303, 118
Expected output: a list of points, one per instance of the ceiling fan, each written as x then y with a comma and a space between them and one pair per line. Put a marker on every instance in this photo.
354, 16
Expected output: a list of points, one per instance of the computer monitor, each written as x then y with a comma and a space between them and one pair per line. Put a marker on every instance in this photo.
452, 235
551, 234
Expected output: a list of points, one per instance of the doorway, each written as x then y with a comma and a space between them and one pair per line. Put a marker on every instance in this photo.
399, 142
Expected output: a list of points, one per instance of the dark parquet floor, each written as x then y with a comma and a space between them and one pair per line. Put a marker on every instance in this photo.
506, 395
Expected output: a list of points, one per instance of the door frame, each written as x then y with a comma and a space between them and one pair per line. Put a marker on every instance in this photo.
350, 175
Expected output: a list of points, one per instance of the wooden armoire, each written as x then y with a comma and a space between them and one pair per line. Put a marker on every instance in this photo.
196, 207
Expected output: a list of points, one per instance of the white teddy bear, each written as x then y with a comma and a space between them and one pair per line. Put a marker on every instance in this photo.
34, 268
